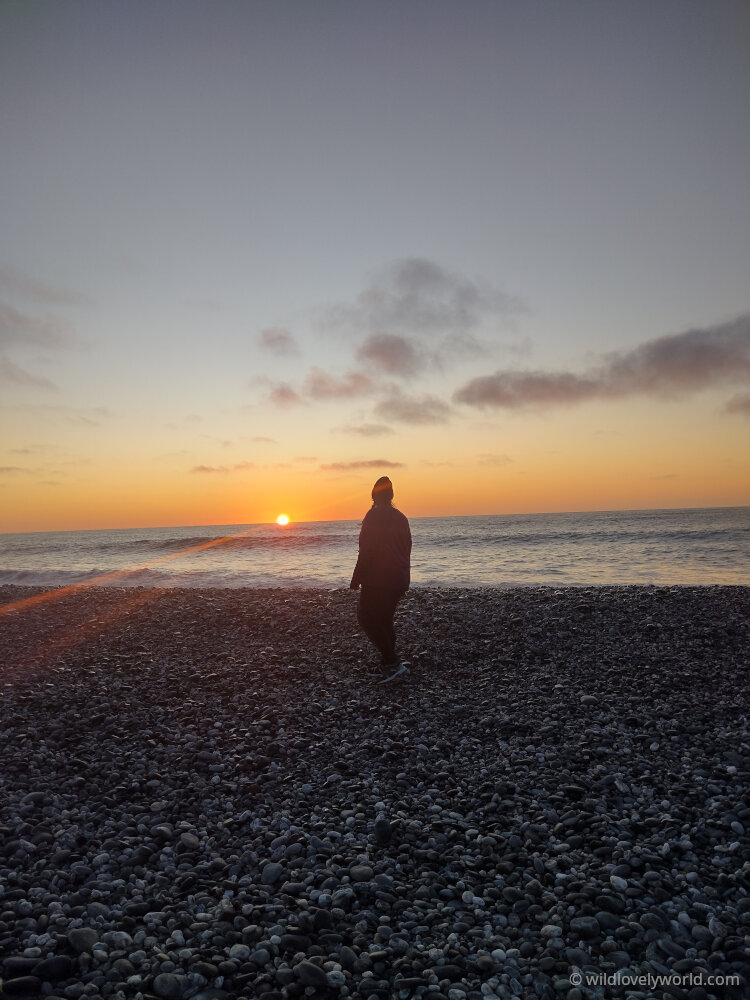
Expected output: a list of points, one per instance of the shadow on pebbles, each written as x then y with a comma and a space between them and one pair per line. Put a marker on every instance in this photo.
205, 795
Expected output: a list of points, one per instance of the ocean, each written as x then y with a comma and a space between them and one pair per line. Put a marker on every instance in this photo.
667, 547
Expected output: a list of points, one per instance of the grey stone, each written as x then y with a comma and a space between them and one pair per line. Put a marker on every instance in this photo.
82, 939
347, 958
121, 969
261, 956
585, 927
272, 872
310, 974
360, 873
169, 986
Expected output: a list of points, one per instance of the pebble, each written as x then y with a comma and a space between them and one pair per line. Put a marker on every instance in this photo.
169, 986
82, 939
271, 873
310, 974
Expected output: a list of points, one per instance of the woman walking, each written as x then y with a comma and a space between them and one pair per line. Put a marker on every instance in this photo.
382, 573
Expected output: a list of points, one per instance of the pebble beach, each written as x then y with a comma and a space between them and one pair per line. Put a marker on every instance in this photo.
205, 794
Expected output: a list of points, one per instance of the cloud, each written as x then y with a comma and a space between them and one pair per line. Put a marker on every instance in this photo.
17, 327
283, 395
370, 463
415, 314
11, 374
81, 418
321, 385
222, 442
495, 460
392, 354
12, 470
684, 361
209, 469
739, 404
367, 430
279, 341
418, 296
16, 282
318, 385
413, 410
512, 390
262, 440
242, 466
666, 367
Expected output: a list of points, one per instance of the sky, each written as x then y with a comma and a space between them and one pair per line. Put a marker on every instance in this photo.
256, 253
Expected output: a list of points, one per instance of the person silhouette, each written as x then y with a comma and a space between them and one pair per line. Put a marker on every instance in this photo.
382, 575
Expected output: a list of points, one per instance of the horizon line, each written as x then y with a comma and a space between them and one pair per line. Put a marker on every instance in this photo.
412, 517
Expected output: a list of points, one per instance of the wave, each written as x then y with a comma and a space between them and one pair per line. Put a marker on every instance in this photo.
71, 577
596, 536
197, 543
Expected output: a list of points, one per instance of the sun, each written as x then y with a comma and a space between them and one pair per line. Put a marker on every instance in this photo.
282, 519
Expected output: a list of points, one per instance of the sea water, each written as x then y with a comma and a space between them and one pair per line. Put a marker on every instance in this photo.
696, 546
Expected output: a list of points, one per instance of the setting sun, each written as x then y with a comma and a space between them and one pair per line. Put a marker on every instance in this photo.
282, 519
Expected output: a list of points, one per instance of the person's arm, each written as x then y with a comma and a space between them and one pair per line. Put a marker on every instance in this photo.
362, 558
407, 548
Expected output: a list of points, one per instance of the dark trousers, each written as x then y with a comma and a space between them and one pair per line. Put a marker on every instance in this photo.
375, 611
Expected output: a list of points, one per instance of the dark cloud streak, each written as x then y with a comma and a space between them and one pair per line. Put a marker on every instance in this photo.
413, 410
739, 404
369, 463
283, 395
321, 385
667, 367
392, 354
367, 430
279, 341
11, 374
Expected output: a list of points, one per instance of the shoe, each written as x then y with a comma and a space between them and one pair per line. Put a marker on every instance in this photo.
400, 671
383, 669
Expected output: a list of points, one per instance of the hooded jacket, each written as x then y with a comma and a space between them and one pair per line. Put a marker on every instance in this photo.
384, 550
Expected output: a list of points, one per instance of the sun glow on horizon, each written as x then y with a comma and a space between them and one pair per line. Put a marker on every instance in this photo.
282, 519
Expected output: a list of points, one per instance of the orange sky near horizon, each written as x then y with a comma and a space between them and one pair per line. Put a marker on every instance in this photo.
592, 458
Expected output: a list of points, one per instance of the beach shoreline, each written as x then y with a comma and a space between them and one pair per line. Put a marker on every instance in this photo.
205, 794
